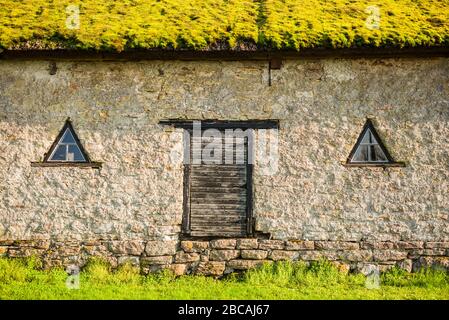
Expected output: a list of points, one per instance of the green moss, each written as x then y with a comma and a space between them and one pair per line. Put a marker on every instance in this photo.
208, 24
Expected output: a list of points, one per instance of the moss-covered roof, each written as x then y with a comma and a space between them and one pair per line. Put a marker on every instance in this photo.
223, 24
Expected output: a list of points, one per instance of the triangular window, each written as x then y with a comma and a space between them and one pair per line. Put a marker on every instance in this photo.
67, 147
369, 147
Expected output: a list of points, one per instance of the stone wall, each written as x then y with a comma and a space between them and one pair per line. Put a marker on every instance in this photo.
222, 256
136, 196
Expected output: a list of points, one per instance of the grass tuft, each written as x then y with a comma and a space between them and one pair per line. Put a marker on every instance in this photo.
25, 279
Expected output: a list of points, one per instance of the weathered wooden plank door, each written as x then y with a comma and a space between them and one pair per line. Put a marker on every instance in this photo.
218, 192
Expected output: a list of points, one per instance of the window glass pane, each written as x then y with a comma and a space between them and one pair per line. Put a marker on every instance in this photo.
361, 155
377, 154
59, 154
366, 137
68, 137
75, 153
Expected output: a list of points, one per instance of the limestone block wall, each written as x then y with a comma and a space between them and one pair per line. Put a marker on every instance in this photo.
136, 197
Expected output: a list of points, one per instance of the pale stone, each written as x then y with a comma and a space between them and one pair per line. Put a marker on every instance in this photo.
283, 255
299, 245
160, 248
223, 244
377, 245
336, 245
184, 257
426, 252
247, 244
254, 254
389, 255
318, 255
432, 245
194, 246
408, 245
211, 268
134, 247
271, 244
223, 255
3, 250
355, 255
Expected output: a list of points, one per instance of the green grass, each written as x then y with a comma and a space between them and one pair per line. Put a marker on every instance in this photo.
214, 24
23, 279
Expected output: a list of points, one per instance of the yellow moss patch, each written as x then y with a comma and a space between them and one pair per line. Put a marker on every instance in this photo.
127, 23
355, 23
285, 24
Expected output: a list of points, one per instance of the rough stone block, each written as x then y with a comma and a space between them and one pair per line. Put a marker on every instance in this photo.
223, 244
185, 257
194, 246
355, 255
336, 245
283, 255
223, 255
413, 254
389, 255
160, 247
439, 245
254, 254
299, 245
247, 244
271, 244
381, 245
318, 255
408, 245
134, 247
210, 268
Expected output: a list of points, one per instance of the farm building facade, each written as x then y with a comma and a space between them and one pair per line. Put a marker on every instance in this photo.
210, 161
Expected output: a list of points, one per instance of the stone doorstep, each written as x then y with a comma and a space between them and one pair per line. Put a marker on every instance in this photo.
271, 244
223, 244
194, 246
247, 244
